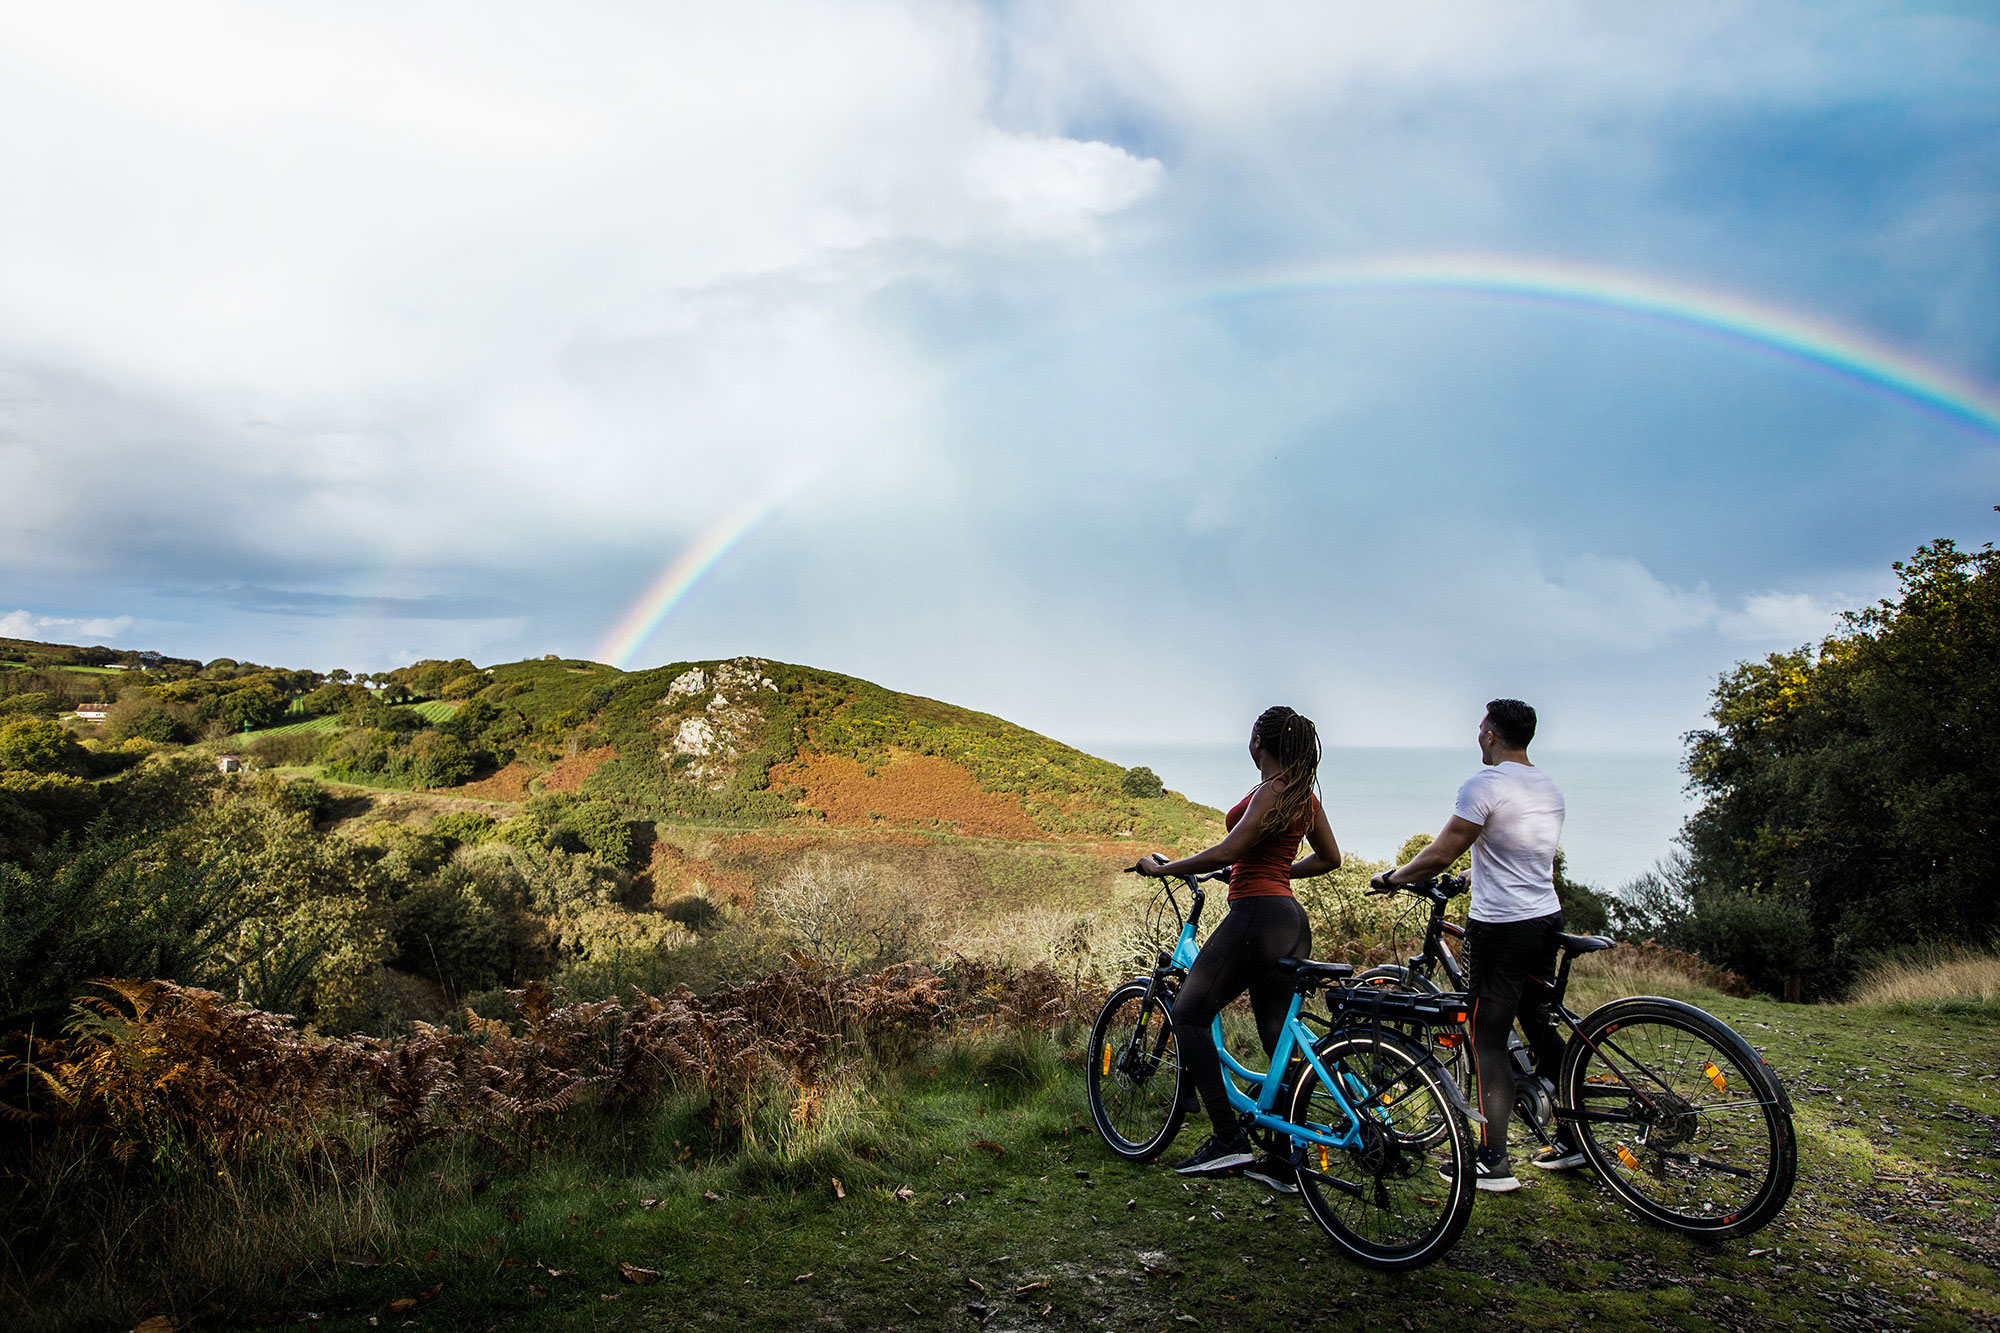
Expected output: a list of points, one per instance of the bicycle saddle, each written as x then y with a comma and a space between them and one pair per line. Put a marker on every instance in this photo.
1305, 969
1586, 943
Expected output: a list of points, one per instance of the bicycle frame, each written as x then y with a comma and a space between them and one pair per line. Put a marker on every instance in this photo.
1436, 952
1295, 1036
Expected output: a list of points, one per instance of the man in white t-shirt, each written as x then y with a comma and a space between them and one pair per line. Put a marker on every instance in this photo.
1510, 814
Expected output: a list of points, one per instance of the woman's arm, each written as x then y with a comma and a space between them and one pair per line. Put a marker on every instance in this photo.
1325, 851
1231, 848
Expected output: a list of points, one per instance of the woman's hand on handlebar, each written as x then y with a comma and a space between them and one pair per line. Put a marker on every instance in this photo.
1148, 866
1378, 883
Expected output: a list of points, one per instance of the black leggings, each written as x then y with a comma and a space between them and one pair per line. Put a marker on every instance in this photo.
1501, 960
1239, 956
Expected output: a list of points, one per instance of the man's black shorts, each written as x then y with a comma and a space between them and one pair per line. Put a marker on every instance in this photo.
1502, 955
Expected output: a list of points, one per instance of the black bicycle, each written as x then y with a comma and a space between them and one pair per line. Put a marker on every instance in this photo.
1675, 1111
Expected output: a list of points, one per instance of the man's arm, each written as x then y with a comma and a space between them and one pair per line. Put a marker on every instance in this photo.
1450, 844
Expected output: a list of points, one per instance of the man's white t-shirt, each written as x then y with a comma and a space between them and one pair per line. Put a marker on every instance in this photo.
1520, 812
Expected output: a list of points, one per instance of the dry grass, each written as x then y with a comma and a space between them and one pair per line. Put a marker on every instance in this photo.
1648, 969
1957, 981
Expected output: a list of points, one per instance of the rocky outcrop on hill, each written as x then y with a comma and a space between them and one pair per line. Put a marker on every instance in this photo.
710, 720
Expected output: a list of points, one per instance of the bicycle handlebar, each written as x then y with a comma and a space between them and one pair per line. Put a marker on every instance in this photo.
1438, 888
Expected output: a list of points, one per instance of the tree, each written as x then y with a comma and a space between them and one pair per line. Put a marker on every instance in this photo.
1143, 783
1853, 792
437, 760
37, 745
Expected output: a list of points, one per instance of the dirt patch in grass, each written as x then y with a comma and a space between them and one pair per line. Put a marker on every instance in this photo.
509, 784
568, 774
905, 789
671, 872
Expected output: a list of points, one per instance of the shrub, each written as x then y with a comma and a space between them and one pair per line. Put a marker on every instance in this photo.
849, 916
462, 826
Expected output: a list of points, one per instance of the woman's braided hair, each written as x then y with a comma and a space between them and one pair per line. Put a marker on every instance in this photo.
1293, 741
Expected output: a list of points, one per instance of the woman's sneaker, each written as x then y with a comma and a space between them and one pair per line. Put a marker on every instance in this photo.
1275, 1172
1558, 1156
1495, 1172
1218, 1154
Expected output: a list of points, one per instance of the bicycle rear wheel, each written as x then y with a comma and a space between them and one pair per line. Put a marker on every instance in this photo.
1697, 1130
1447, 1044
1138, 1091
1382, 1200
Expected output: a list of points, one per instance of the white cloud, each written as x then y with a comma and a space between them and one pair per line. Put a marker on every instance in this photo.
1783, 618
62, 629
418, 279
1599, 604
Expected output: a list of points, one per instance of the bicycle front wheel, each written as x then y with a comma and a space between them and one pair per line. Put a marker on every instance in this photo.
1138, 1090
1690, 1128
1398, 1196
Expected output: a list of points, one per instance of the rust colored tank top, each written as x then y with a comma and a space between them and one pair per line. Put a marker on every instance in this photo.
1266, 869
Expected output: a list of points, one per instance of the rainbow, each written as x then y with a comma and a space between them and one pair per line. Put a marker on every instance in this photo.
1760, 326
687, 569
1820, 344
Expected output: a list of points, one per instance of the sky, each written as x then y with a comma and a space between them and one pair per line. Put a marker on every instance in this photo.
1118, 368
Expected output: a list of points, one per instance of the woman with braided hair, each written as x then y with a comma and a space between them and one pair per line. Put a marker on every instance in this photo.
1265, 923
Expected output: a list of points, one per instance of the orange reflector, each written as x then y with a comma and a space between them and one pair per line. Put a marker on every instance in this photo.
1107, 1060
1715, 1076
1625, 1156
1324, 1164
1450, 1039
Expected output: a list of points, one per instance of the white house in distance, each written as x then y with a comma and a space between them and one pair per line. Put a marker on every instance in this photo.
229, 763
92, 712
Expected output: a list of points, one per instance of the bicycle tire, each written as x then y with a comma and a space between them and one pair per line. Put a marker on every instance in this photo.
1383, 1202
1139, 1093
1709, 1149
1397, 978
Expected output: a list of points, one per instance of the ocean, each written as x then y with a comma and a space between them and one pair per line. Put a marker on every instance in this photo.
1623, 808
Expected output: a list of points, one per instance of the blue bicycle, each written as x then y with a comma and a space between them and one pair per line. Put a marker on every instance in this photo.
1372, 1123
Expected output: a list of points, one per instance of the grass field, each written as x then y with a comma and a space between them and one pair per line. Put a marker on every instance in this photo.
977, 1194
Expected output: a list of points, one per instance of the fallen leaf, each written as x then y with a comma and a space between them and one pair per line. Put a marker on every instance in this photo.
977, 1283
638, 1277
649, 1203
159, 1323
539, 1293
402, 1304
510, 1262
711, 1196
802, 1277
905, 1193
430, 1254
1032, 1286
990, 1146
838, 1192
